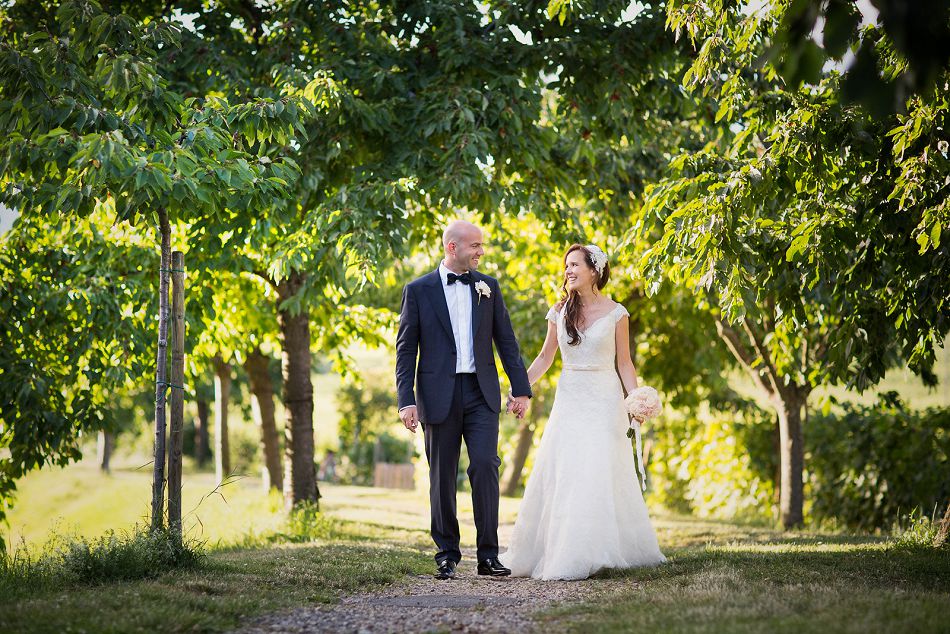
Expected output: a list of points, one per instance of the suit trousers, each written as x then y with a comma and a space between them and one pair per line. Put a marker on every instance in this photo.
469, 418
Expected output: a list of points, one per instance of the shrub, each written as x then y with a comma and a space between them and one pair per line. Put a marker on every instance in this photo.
369, 423
869, 467
714, 464
137, 554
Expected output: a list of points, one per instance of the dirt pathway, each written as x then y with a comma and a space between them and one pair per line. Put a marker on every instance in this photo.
468, 603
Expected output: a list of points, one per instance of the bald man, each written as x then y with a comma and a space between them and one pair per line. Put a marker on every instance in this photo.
450, 322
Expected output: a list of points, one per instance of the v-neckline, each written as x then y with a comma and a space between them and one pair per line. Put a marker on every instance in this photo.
594, 323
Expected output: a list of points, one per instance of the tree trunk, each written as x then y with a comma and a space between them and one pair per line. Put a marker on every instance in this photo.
177, 405
104, 449
525, 435
944, 531
161, 378
788, 405
222, 393
300, 483
202, 438
262, 391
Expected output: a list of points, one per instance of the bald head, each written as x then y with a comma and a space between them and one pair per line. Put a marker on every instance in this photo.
459, 230
463, 245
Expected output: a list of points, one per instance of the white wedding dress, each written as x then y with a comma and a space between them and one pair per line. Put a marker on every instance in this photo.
583, 509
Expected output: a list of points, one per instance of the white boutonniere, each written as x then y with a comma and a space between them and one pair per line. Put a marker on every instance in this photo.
482, 289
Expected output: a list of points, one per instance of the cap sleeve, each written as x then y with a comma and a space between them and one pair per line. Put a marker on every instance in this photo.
552, 314
620, 311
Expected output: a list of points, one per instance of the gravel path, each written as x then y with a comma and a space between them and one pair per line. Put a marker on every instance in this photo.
468, 603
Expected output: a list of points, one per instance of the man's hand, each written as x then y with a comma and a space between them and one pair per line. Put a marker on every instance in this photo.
410, 417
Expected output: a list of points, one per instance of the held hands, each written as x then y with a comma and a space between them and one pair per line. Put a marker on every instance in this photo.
517, 405
410, 417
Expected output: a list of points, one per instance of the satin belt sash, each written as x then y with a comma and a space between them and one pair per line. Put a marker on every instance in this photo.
586, 367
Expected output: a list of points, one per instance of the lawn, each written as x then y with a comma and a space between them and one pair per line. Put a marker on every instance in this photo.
722, 577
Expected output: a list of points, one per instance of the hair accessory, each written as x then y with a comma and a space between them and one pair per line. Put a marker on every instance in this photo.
598, 256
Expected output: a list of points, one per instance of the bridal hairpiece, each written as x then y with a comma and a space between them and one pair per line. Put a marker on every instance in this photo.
598, 256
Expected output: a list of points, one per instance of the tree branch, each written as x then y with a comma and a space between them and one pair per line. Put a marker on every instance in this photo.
264, 276
742, 354
769, 367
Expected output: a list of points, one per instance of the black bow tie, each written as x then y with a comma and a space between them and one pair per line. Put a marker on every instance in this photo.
464, 278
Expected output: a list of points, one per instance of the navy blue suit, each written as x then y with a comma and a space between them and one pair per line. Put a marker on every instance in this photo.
454, 406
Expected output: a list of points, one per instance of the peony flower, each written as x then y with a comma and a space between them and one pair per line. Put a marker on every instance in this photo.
643, 403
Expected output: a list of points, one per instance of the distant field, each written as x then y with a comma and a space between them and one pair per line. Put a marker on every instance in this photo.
81, 500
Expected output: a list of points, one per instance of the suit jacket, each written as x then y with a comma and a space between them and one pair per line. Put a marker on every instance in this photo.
425, 333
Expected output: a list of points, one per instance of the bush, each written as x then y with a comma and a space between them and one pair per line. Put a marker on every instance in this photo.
137, 554
369, 422
871, 467
715, 464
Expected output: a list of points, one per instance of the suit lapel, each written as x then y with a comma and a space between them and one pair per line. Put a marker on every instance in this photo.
437, 297
476, 305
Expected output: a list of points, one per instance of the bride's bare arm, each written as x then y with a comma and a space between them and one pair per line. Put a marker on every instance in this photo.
628, 373
545, 358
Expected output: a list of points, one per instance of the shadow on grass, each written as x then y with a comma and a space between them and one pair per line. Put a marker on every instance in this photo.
793, 563
783, 585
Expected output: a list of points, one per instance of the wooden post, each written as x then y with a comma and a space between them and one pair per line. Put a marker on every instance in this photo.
177, 412
161, 374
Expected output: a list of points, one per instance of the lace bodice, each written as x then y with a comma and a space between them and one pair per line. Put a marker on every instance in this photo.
597, 347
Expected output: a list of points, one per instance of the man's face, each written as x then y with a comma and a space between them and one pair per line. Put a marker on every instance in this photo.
469, 249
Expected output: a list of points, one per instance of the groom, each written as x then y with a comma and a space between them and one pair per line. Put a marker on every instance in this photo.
448, 321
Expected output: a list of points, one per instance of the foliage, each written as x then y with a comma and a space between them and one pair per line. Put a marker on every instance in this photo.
810, 228
137, 554
368, 429
916, 531
73, 332
714, 464
803, 36
88, 125
871, 466
88, 117
797, 203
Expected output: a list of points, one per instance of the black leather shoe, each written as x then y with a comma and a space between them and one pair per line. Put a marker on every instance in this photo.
446, 570
492, 567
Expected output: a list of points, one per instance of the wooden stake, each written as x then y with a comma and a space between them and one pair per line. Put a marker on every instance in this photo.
177, 412
161, 375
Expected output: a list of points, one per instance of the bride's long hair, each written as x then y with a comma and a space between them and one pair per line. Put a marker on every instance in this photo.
570, 300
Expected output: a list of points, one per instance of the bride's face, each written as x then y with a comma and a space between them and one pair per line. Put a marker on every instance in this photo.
578, 273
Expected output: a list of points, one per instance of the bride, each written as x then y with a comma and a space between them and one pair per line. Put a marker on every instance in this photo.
583, 509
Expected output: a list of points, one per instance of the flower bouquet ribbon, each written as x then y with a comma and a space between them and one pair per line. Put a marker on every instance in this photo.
641, 403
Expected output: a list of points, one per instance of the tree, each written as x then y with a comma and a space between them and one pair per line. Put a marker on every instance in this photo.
400, 134
88, 122
74, 329
810, 227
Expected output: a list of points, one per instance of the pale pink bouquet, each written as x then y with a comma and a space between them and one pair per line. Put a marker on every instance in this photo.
642, 403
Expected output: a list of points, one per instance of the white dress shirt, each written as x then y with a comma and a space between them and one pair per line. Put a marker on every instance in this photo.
458, 297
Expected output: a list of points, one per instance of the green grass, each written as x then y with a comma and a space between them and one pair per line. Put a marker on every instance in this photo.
229, 586
785, 583
256, 559
722, 577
